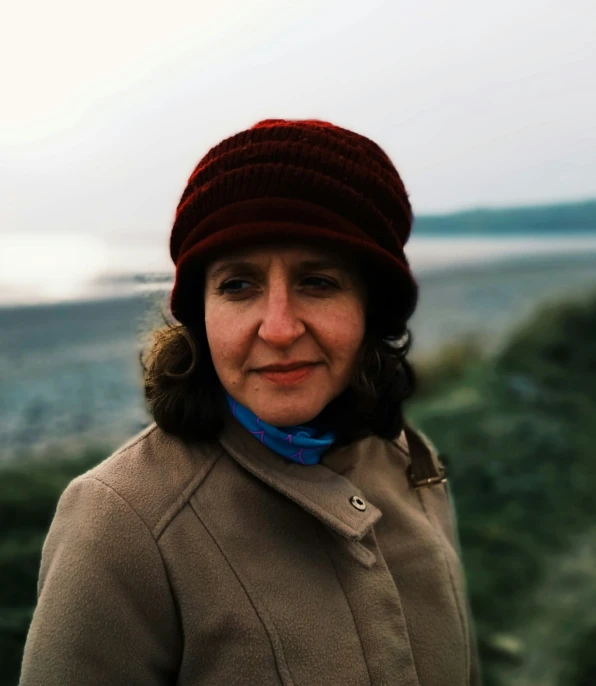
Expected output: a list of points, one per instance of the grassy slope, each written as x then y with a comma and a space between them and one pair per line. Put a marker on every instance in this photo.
28, 497
518, 431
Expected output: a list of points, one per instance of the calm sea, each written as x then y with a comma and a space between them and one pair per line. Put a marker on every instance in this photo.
70, 373
52, 269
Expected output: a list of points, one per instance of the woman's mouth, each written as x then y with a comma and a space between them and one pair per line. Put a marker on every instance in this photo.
288, 377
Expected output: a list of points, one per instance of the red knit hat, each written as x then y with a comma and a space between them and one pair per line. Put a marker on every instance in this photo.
302, 182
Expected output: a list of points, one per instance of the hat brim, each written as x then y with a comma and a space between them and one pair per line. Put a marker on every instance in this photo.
392, 289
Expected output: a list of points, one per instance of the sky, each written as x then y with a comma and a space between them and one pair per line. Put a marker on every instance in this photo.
107, 107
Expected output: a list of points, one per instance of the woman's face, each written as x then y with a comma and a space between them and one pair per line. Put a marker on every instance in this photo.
284, 326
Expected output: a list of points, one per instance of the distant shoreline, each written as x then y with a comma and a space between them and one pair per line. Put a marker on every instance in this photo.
142, 286
510, 265
72, 368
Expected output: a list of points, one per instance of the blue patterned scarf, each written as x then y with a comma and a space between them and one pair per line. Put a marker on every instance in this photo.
301, 444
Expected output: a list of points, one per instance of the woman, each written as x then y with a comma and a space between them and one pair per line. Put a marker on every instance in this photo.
279, 523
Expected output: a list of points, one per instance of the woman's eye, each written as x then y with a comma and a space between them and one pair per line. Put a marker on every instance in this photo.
319, 283
242, 286
233, 286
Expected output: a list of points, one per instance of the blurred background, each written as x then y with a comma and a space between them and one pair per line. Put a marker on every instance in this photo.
488, 111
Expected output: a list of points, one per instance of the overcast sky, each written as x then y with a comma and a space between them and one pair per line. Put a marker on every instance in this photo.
107, 106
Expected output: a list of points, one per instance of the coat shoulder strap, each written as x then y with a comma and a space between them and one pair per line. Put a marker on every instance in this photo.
425, 468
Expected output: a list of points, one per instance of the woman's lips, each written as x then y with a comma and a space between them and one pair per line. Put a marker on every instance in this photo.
290, 377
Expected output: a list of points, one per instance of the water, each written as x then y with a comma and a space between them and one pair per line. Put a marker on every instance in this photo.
49, 269
70, 370
70, 373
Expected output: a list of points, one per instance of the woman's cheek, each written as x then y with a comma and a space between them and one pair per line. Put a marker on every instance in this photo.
347, 327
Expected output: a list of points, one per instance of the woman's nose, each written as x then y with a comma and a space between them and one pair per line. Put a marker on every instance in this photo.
281, 324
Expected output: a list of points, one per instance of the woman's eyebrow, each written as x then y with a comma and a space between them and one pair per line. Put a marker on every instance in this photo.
322, 264
235, 265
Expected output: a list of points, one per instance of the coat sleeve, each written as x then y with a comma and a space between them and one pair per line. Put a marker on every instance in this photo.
105, 613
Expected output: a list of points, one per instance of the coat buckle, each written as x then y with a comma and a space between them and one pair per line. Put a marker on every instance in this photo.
429, 481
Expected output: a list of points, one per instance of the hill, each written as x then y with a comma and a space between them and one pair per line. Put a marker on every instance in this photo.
563, 218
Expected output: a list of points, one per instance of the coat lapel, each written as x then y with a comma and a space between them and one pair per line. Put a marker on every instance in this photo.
323, 493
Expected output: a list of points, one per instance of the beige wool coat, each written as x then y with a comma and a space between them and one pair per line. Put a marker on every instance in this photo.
223, 563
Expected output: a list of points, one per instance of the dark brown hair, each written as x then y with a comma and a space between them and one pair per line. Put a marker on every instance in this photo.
186, 398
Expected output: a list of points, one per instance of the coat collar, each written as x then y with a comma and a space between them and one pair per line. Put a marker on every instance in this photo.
315, 488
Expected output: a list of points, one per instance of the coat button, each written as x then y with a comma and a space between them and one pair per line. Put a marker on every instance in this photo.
358, 503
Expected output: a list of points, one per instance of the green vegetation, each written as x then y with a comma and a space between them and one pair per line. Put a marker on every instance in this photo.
518, 433
28, 497
517, 430
558, 219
